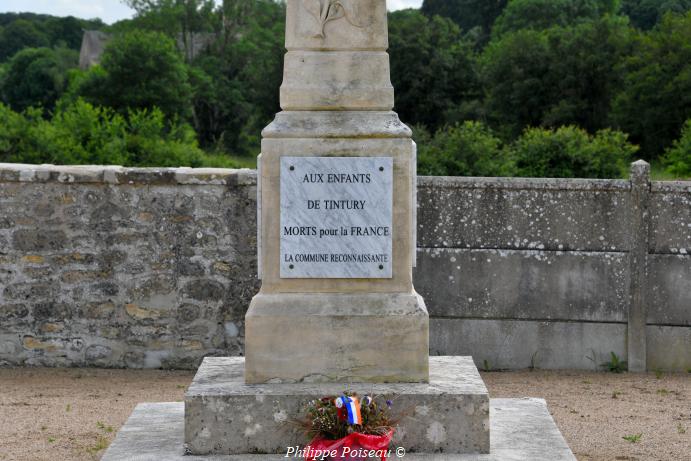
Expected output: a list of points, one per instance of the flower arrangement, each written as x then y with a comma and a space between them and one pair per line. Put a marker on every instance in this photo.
348, 427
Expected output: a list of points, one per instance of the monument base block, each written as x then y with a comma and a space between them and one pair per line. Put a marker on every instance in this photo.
225, 416
522, 430
337, 338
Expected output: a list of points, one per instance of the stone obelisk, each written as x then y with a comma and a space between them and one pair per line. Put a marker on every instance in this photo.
337, 212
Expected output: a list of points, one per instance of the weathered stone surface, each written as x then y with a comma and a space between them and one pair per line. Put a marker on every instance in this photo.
522, 429
362, 26
524, 285
223, 415
345, 337
336, 56
524, 214
38, 239
520, 344
670, 216
670, 290
668, 348
95, 269
336, 124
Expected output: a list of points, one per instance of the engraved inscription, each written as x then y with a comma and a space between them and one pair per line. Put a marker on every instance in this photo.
325, 11
336, 217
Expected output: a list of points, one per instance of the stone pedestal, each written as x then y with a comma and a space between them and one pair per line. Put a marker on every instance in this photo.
340, 338
337, 99
225, 416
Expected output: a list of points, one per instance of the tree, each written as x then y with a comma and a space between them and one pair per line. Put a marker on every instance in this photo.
466, 149
236, 83
20, 34
140, 70
36, 77
181, 20
677, 158
433, 69
656, 97
513, 72
559, 76
645, 14
468, 14
543, 14
570, 152
68, 31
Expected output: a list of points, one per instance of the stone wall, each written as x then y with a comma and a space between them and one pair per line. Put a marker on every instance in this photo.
123, 267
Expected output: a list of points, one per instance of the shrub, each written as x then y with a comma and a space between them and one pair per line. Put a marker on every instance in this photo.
570, 152
467, 149
677, 158
84, 134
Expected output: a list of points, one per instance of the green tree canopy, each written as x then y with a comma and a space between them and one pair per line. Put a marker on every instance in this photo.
181, 20
432, 68
656, 97
140, 70
468, 14
645, 14
236, 84
36, 77
560, 76
20, 34
543, 14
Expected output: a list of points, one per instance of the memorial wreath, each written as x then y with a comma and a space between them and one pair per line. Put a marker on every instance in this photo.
349, 428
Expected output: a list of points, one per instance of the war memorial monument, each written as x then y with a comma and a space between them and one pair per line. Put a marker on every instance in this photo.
337, 310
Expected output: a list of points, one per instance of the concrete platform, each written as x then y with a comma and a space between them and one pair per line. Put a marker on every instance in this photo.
225, 416
522, 430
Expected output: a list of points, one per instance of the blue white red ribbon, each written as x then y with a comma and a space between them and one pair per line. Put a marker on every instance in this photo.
352, 406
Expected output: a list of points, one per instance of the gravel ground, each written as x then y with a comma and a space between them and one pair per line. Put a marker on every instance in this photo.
72, 414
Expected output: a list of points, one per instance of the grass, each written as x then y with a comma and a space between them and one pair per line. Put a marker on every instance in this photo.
616, 394
680, 429
634, 438
101, 444
615, 364
103, 427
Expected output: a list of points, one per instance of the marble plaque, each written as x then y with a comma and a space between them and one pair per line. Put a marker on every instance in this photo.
336, 217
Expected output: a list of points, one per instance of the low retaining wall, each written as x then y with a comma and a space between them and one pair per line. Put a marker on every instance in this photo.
115, 267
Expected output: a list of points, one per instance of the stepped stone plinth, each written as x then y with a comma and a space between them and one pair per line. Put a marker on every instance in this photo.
223, 415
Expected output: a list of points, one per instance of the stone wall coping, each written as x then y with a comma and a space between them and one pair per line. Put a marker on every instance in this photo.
18, 172
671, 186
117, 175
524, 183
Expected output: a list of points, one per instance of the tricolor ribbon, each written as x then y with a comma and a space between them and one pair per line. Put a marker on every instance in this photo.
352, 407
